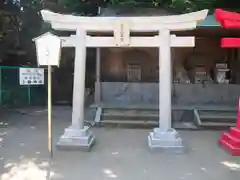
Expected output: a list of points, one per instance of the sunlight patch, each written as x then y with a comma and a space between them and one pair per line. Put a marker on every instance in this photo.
231, 165
24, 171
107, 171
110, 173
115, 153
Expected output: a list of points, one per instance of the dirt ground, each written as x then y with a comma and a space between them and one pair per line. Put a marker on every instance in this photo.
120, 154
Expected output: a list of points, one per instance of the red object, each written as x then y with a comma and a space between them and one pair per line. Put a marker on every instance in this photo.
230, 42
222, 15
229, 20
230, 24
231, 140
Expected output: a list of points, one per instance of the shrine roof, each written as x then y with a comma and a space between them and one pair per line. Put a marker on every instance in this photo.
210, 20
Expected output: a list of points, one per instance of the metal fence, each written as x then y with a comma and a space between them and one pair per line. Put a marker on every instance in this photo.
14, 94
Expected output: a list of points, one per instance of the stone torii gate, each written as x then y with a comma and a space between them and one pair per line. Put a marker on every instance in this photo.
77, 135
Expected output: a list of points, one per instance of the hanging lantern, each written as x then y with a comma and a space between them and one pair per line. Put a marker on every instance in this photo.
48, 47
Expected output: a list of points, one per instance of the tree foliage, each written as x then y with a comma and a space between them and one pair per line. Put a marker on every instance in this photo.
20, 20
180, 6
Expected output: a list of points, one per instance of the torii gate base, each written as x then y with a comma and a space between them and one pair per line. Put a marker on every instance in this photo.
169, 141
76, 139
230, 141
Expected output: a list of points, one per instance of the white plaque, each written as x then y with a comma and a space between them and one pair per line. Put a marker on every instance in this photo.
31, 76
48, 48
122, 34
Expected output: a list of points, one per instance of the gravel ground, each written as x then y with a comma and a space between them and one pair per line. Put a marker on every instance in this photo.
120, 154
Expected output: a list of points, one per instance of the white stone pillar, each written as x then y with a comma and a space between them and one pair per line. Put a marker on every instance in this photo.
98, 83
164, 137
79, 81
77, 135
165, 81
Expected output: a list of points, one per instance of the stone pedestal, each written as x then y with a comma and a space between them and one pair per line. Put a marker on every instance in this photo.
169, 141
76, 139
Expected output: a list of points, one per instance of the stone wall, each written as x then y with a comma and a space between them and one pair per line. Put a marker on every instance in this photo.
129, 93
182, 94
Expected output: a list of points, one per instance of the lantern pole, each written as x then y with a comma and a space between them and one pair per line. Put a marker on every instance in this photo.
49, 104
50, 110
44, 48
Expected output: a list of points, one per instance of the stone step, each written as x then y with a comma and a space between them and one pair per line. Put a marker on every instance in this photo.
131, 110
129, 115
218, 118
177, 125
132, 122
217, 124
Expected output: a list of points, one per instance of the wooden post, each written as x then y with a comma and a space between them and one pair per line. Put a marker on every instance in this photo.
50, 110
